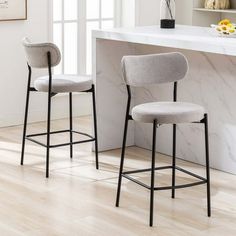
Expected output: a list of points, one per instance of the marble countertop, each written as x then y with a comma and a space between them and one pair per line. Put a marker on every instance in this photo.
183, 37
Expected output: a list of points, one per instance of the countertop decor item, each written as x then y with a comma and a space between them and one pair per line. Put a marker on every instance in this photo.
13, 10
217, 4
167, 14
225, 28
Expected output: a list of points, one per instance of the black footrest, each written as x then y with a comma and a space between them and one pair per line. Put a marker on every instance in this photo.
31, 136
127, 173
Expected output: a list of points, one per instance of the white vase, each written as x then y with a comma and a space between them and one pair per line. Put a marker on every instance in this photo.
167, 14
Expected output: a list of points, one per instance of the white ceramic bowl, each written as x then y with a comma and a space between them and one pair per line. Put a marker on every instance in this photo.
224, 30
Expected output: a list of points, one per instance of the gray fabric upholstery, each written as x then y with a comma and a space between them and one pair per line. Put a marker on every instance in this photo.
168, 112
64, 83
154, 69
36, 54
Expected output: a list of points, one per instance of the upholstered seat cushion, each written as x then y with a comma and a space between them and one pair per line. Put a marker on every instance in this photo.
64, 83
168, 112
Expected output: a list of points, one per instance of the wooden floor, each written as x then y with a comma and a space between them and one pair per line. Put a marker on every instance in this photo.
79, 200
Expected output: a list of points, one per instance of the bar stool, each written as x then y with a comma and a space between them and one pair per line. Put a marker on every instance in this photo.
139, 71
47, 55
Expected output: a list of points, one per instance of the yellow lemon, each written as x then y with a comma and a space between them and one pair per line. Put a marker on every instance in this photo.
225, 22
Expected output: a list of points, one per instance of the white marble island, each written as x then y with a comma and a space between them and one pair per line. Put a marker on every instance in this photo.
211, 82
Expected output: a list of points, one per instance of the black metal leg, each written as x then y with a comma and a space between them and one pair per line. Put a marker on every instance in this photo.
153, 172
174, 160
207, 166
71, 124
122, 162
127, 117
95, 126
49, 113
48, 135
26, 117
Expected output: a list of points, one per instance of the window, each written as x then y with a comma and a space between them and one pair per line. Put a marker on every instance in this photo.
73, 22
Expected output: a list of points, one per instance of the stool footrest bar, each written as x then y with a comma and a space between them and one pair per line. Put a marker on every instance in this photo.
30, 138
67, 144
127, 173
136, 181
81, 133
42, 134
146, 170
37, 142
189, 173
61, 145
180, 186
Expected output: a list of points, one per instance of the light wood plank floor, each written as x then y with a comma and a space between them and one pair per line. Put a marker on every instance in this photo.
79, 200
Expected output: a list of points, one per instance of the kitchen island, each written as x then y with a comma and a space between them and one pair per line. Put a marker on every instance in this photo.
211, 82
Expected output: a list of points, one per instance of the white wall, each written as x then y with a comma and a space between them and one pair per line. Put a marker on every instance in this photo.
184, 12
140, 12
13, 70
147, 12
128, 13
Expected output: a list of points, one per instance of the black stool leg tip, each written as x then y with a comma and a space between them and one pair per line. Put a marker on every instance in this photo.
97, 165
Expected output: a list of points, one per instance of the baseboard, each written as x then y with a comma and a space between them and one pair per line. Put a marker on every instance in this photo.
82, 106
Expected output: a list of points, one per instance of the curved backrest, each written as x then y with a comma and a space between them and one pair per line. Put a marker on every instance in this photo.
144, 70
36, 54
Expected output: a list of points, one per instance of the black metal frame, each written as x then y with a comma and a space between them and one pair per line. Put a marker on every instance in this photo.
173, 187
48, 133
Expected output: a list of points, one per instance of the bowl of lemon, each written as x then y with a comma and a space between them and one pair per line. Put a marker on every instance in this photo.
225, 28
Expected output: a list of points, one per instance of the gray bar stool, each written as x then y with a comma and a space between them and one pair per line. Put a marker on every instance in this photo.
139, 71
47, 55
